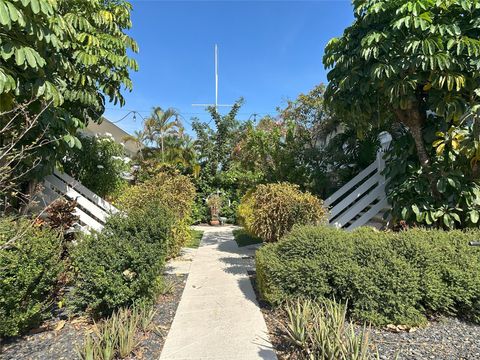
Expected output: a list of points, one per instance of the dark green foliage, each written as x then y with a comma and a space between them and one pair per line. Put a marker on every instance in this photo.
30, 267
215, 146
447, 196
124, 263
98, 165
385, 277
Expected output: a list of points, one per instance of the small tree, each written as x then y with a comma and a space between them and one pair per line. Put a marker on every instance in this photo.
401, 59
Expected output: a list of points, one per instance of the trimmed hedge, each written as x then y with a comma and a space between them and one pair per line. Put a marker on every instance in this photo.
270, 211
398, 278
30, 269
124, 263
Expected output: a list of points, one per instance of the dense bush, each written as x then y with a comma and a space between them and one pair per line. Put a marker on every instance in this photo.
30, 267
174, 191
98, 165
386, 278
270, 211
124, 263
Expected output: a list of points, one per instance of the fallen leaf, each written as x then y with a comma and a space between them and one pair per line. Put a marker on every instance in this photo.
60, 325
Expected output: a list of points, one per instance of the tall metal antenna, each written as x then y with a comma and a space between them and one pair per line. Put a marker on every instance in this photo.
216, 105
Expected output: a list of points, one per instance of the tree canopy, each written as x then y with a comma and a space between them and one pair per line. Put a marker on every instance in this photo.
68, 54
403, 58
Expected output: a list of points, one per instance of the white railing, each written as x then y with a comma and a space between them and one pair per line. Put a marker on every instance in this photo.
91, 209
363, 197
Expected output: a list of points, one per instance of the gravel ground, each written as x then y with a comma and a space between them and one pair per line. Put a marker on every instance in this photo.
52, 344
442, 339
446, 338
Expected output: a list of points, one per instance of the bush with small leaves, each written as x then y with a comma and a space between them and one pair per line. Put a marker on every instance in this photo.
398, 278
30, 263
124, 263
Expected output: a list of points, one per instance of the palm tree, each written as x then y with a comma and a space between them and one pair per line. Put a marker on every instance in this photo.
137, 138
161, 124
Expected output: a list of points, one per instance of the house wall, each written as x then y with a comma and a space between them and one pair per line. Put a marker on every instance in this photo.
131, 149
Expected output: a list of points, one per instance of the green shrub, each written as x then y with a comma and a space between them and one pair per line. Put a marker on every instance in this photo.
270, 211
30, 268
122, 264
98, 165
174, 191
385, 277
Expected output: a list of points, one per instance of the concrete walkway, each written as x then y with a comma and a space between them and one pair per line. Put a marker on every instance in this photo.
218, 316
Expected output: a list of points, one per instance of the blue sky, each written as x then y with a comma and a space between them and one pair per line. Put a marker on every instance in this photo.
269, 51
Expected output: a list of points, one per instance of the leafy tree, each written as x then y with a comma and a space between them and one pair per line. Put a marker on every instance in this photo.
68, 54
403, 58
309, 112
275, 149
215, 146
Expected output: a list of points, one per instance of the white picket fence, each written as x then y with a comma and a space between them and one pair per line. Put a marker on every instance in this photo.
91, 209
363, 197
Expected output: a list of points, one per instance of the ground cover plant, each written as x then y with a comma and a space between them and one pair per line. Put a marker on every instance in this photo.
118, 335
30, 259
386, 278
270, 211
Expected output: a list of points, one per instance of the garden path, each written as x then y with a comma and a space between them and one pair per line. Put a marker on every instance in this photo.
218, 316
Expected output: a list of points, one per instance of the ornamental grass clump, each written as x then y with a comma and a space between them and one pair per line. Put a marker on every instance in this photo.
117, 336
270, 211
386, 278
320, 330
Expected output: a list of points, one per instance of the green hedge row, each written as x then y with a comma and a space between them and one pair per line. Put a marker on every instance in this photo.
385, 277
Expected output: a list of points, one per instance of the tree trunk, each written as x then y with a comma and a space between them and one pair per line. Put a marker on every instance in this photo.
414, 120
161, 140
476, 135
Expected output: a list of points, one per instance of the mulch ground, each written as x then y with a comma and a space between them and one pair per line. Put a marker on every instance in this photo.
59, 340
442, 339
